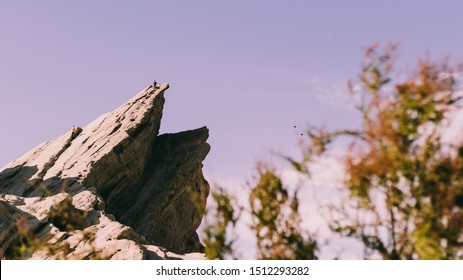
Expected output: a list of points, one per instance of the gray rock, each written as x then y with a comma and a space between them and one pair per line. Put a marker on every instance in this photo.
112, 189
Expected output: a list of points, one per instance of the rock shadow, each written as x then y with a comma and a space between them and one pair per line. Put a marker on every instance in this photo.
20, 231
17, 228
18, 181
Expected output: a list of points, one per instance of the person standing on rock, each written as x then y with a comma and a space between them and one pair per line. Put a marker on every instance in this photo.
75, 131
155, 84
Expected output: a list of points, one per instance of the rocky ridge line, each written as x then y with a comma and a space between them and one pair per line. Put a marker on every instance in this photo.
139, 195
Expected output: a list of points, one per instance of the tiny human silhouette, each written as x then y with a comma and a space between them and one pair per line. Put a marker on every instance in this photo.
155, 84
75, 131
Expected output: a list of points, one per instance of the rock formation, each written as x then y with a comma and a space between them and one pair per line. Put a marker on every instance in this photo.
112, 189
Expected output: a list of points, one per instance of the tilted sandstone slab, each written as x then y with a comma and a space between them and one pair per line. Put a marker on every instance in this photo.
123, 185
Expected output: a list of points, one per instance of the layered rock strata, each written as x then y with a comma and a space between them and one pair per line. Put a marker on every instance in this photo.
112, 189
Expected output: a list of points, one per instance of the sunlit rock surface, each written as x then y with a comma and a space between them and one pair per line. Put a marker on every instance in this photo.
113, 189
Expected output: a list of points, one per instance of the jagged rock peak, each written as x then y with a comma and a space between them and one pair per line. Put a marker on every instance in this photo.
115, 173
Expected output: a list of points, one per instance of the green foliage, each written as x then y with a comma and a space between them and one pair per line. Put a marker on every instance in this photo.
26, 244
69, 221
276, 220
404, 181
217, 243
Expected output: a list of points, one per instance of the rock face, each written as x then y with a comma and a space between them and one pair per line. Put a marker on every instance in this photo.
112, 189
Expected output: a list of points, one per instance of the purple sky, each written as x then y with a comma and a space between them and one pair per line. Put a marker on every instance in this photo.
249, 70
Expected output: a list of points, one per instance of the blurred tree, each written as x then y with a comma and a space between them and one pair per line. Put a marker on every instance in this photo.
217, 241
276, 220
404, 181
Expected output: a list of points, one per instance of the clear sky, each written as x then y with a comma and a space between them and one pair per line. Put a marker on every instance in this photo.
248, 70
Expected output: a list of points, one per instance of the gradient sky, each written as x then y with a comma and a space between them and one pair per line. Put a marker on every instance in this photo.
248, 70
